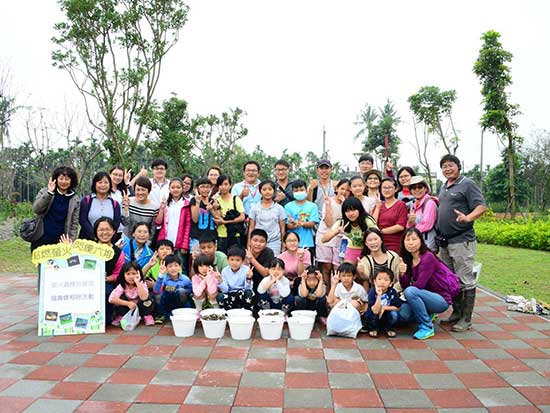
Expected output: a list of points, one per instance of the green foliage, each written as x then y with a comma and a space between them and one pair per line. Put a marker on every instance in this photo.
432, 106
375, 125
515, 271
498, 114
522, 233
12, 209
112, 51
497, 183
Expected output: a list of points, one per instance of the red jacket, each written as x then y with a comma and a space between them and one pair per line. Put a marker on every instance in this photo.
182, 239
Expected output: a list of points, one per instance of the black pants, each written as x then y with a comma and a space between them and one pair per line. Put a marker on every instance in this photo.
319, 305
145, 307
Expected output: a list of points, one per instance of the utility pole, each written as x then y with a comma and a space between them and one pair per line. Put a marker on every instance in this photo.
481, 163
324, 155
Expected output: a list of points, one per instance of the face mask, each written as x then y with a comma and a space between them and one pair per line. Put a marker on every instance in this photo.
300, 196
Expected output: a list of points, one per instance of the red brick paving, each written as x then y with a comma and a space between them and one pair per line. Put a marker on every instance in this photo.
35, 364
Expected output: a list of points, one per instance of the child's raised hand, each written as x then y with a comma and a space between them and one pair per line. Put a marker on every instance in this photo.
195, 251
137, 279
335, 277
313, 183
378, 291
125, 200
319, 275
143, 171
300, 253
249, 273
51, 185
218, 277
154, 258
64, 239
402, 266
162, 268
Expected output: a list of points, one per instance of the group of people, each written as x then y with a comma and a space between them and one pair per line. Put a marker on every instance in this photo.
379, 241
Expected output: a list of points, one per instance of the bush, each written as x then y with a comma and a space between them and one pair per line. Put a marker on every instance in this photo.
19, 210
521, 233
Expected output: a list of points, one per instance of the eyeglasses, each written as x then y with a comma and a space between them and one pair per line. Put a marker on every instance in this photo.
159, 168
415, 187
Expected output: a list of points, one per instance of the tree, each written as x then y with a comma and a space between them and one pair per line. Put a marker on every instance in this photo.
433, 107
498, 114
113, 51
7, 106
375, 125
171, 133
496, 183
421, 146
537, 165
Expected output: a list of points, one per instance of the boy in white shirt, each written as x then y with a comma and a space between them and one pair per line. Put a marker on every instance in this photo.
344, 288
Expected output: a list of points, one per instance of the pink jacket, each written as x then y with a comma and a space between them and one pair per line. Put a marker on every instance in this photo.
426, 216
182, 240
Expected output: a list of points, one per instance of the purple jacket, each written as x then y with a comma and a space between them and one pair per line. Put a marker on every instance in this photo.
432, 275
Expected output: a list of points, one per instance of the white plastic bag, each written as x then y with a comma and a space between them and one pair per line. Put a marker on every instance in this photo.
344, 320
130, 320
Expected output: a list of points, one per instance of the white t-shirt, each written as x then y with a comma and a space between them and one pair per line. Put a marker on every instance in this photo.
174, 211
356, 290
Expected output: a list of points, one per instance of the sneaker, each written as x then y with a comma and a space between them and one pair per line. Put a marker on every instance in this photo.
423, 333
159, 319
149, 320
116, 320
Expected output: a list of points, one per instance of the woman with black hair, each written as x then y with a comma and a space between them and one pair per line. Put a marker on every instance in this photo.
98, 204
59, 205
404, 175
429, 285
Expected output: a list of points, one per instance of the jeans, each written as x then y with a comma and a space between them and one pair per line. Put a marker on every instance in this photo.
420, 304
386, 322
170, 300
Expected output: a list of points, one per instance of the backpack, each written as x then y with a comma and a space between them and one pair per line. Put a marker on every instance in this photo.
236, 233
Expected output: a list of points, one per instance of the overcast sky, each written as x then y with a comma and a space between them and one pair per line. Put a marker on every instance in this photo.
297, 65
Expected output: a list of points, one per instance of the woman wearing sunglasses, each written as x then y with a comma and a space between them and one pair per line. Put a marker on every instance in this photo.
423, 213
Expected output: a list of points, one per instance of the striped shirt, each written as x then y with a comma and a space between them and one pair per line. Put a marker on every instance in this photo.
138, 212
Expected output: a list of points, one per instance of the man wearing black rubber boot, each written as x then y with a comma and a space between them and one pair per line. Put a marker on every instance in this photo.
461, 203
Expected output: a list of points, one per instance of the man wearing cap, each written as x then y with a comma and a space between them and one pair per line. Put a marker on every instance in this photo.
460, 204
322, 187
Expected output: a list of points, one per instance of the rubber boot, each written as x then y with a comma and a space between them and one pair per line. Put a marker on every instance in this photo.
465, 323
458, 306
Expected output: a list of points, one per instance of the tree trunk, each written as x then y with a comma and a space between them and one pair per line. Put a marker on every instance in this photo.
511, 176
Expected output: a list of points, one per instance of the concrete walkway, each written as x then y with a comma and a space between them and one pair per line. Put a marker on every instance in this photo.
501, 365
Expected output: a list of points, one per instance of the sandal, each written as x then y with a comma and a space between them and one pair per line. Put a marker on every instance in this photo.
391, 333
373, 333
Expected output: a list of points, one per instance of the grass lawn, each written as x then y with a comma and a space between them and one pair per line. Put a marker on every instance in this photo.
506, 270
15, 256
515, 271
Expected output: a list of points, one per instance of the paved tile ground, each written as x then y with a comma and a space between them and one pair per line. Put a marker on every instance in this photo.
501, 365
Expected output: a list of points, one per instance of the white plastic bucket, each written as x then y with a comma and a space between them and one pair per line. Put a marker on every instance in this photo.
184, 324
300, 327
271, 328
213, 328
271, 313
182, 311
304, 313
241, 327
239, 312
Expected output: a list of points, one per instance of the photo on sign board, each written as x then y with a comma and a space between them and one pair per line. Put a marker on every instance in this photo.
81, 323
73, 261
51, 316
66, 319
89, 264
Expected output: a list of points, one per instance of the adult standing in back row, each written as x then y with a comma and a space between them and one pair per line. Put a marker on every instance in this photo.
323, 187
460, 204
248, 189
